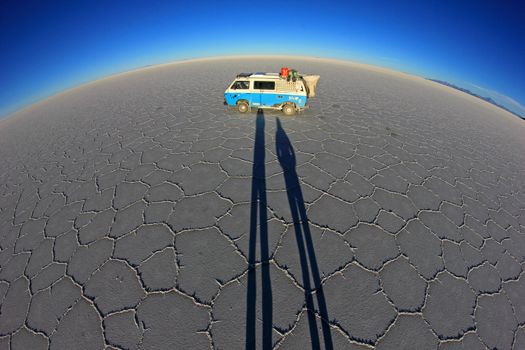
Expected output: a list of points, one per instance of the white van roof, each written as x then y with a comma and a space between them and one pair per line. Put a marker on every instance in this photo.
259, 75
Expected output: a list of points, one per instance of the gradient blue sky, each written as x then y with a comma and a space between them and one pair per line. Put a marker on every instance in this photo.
48, 46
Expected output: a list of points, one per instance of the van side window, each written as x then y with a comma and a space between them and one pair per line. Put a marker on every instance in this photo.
264, 85
241, 85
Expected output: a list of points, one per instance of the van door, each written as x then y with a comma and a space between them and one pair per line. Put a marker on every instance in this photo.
266, 92
240, 90
256, 93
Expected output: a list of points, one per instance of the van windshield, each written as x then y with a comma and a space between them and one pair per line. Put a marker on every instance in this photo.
241, 85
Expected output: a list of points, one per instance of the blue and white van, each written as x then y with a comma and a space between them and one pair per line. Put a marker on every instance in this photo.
269, 90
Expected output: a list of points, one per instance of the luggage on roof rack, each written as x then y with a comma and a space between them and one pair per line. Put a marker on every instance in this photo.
243, 75
292, 75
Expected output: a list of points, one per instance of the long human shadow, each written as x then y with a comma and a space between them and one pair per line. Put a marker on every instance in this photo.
286, 156
258, 209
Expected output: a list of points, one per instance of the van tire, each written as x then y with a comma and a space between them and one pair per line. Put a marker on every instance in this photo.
243, 107
288, 109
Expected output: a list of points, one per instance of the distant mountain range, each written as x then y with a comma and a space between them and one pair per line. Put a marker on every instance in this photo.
488, 99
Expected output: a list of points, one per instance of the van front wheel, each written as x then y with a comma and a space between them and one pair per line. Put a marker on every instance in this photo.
242, 107
289, 109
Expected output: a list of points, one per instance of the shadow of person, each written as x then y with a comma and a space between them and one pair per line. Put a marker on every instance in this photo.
258, 209
286, 156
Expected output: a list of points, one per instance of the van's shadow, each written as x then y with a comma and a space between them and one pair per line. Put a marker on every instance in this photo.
286, 157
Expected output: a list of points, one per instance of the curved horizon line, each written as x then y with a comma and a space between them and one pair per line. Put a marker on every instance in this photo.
367, 66
137, 69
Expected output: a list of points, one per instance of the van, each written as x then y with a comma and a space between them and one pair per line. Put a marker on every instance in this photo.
270, 91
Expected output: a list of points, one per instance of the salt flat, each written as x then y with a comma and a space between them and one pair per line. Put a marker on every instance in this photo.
137, 212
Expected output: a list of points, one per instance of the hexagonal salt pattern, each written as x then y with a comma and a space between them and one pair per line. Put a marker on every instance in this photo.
138, 212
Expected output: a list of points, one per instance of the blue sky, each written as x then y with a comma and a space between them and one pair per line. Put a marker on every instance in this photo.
49, 46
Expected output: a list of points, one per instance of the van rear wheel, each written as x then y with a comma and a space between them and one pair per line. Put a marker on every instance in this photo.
242, 107
289, 109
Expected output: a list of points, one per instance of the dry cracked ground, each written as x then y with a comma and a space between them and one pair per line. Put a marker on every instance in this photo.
137, 212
